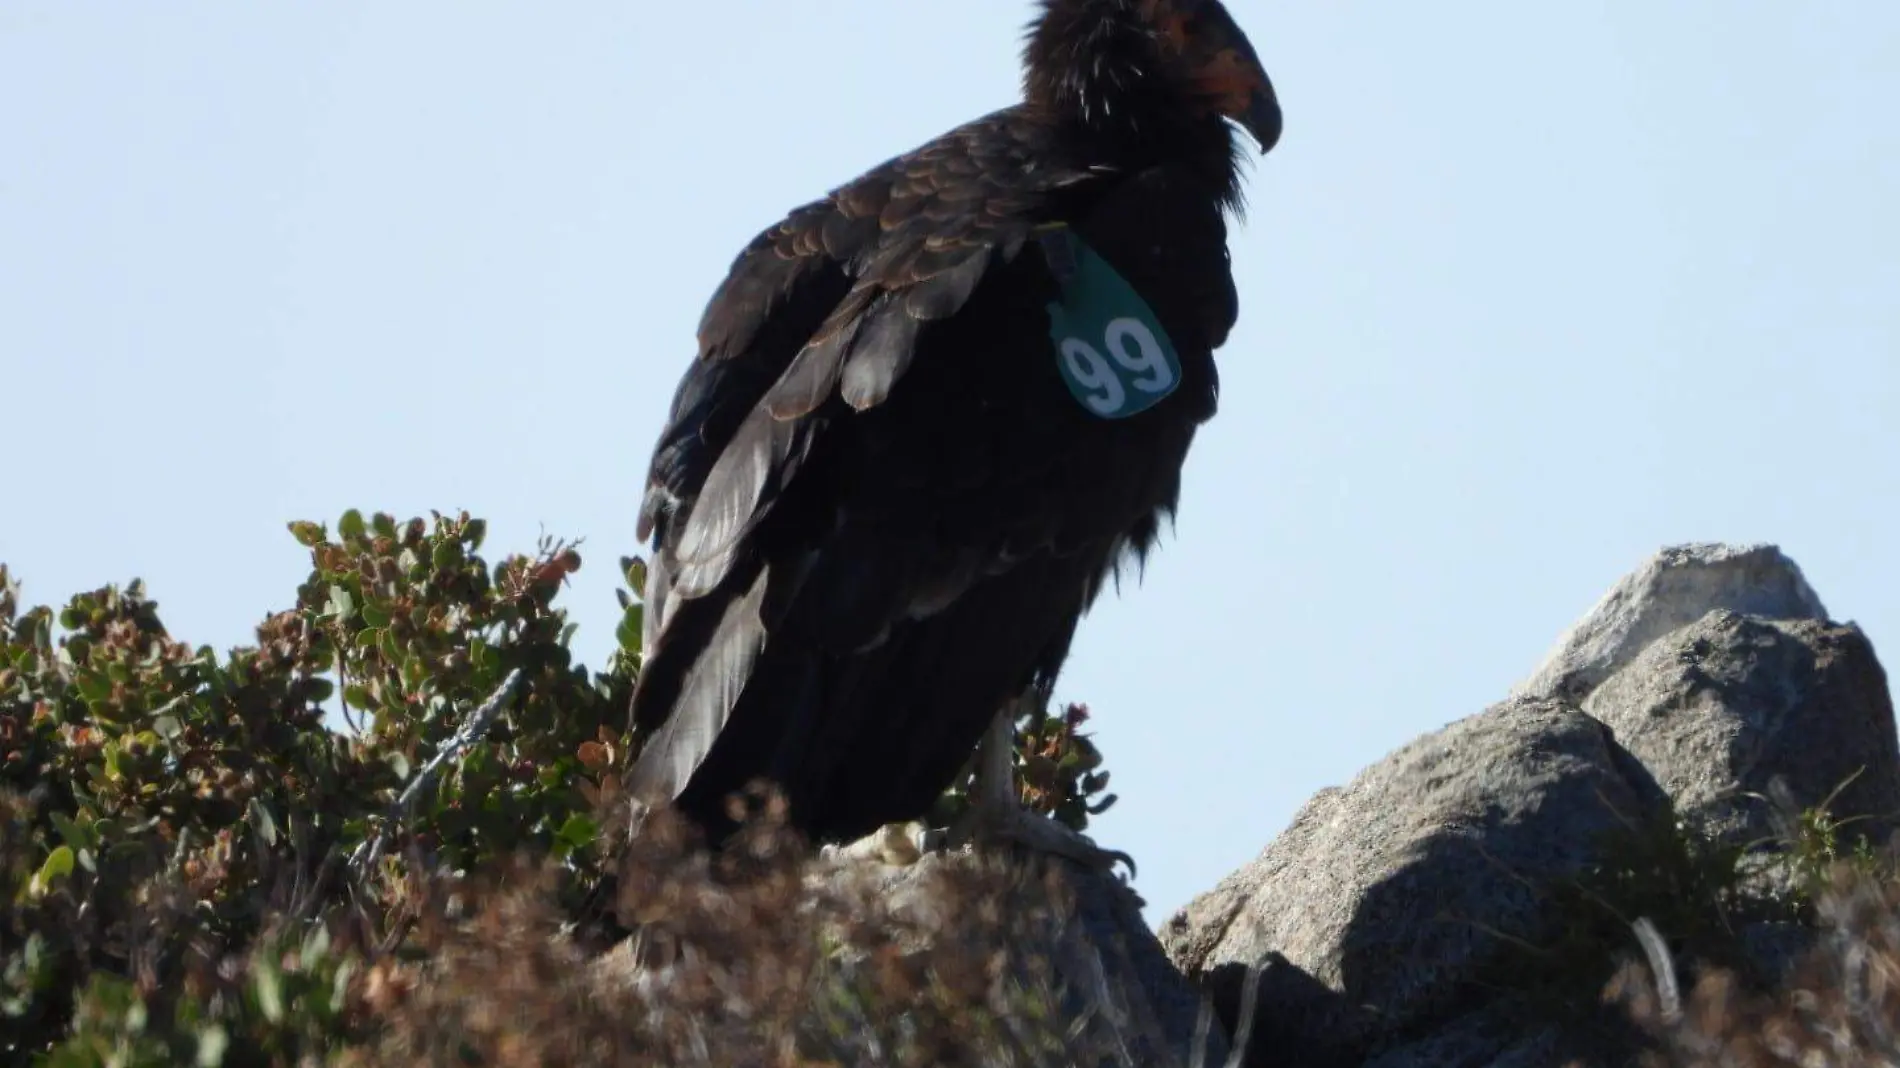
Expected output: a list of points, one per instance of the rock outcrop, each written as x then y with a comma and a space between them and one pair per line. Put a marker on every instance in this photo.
1395, 922
1672, 589
1385, 898
1717, 709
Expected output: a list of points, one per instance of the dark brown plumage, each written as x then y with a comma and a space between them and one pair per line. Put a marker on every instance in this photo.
877, 511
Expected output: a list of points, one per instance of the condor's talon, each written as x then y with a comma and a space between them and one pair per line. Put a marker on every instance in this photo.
996, 817
1039, 834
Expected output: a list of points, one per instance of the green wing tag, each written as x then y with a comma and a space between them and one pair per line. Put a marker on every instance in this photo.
1110, 348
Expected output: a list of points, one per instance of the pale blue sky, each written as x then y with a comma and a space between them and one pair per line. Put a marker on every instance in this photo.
1528, 290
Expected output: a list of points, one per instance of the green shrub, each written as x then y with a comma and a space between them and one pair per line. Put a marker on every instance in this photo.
199, 871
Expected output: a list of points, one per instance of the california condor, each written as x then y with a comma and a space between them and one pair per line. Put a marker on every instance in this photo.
931, 414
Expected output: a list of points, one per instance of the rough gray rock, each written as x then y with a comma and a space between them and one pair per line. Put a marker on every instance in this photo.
1109, 965
1676, 587
1702, 677
1499, 1035
1388, 899
1774, 949
1717, 708
1110, 923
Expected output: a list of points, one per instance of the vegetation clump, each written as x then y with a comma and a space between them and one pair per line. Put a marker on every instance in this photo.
199, 870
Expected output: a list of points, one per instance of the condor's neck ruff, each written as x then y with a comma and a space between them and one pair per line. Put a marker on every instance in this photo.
1097, 66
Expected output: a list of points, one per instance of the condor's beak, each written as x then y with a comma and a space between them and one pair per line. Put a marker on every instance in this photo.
1263, 115
1234, 75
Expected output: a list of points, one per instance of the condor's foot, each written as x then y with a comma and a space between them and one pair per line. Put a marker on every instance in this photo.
897, 844
988, 829
996, 817
903, 844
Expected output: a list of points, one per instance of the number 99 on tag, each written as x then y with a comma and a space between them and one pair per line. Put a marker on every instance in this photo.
1128, 373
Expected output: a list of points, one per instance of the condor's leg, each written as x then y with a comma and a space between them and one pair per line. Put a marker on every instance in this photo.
996, 816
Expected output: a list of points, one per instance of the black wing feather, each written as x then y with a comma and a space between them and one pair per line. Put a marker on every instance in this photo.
880, 354
813, 375
737, 494
709, 689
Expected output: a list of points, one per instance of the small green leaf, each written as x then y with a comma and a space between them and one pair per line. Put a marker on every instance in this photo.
92, 687
475, 532
316, 944
446, 554
265, 823
269, 987
356, 695
630, 632
167, 727
342, 605
340, 986
75, 835
351, 525
375, 614
384, 524
58, 865
212, 1042
308, 534
577, 832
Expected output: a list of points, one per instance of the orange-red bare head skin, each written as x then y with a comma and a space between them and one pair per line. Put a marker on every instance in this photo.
1219, 62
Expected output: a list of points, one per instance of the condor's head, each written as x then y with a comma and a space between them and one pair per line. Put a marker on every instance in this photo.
1121, 65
